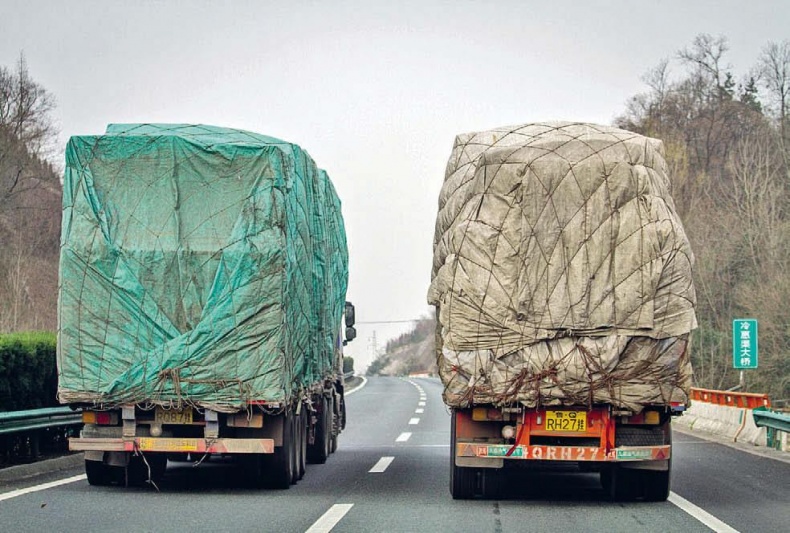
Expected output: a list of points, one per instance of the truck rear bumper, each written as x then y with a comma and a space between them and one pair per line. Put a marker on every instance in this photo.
563, 453
163, 444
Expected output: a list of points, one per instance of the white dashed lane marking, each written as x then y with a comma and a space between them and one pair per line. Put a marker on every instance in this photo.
330, 518
414, 421
700, 514
43, 486
382, 465
403, 437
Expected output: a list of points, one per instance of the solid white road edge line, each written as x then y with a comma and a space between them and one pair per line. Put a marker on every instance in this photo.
700, 514
382, 465
355, 389
414, 421
330, 518
403, 437
43, 486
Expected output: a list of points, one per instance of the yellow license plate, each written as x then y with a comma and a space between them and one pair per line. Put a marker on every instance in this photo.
167, 445
562, 421
173, 416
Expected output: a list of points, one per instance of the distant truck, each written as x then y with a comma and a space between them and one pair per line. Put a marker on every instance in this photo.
564, 297
203, 276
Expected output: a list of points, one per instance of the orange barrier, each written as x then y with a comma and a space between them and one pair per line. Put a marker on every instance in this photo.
746, 400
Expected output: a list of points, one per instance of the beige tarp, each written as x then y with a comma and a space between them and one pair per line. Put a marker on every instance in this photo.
561, 273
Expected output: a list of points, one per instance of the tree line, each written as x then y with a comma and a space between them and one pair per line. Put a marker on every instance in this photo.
727, 142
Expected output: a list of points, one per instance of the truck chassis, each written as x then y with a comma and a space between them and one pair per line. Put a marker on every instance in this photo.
632, 452
273, 442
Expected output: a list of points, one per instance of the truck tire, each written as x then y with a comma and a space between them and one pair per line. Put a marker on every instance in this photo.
302, 447
100, 474
463, 481
621, 484
656, 484
490, 483
625, 484
335, 421
281, 462
318, 452
342, 412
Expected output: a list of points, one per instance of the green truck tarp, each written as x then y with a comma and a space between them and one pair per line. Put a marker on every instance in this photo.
199, 265
561, 272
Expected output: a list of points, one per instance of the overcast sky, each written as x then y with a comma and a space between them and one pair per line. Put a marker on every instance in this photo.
374, 91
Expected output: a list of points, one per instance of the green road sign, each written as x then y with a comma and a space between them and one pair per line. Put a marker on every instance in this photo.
744, 343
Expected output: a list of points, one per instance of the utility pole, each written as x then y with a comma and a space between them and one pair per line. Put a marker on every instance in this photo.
373, 347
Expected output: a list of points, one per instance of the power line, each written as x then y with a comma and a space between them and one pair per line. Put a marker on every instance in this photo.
389, 321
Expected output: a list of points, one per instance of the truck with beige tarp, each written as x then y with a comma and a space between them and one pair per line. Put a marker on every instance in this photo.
203, 276
564, 302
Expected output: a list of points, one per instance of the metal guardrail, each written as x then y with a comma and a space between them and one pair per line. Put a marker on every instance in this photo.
777, 427
772, 420
33, 419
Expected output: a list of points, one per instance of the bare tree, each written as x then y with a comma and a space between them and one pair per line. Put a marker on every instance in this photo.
29, 203
25, 108
773, 69
706, 55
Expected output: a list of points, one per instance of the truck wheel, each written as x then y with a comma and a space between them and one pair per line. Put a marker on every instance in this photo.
621, 484
100, 474
491, 482
342, 412
302, 447
281, 471
334, 428
463, 481
655, 485
256, 469
318, 452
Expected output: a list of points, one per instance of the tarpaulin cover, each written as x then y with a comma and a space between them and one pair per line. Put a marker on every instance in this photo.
561, 272
199, 265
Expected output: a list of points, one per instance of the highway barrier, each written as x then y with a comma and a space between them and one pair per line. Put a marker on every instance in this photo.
777, 427
21, 421
21, 432
726, 414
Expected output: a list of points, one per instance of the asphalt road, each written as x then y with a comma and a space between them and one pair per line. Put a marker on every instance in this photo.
390, 474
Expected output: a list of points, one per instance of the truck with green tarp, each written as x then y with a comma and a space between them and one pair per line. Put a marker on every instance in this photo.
203, 276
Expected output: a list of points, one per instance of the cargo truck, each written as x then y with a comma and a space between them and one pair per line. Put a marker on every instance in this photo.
564, 302
203, 275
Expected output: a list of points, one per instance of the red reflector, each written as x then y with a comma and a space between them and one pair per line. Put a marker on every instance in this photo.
103, 418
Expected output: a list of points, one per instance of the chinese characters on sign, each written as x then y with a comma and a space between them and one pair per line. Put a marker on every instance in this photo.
744, 343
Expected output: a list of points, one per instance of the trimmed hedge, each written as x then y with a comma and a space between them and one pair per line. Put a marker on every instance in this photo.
28, 373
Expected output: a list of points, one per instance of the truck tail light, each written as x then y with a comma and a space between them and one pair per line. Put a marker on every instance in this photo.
101, 418
651, 418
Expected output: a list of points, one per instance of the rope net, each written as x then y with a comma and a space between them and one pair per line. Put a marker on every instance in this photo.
199, 265
561, 271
